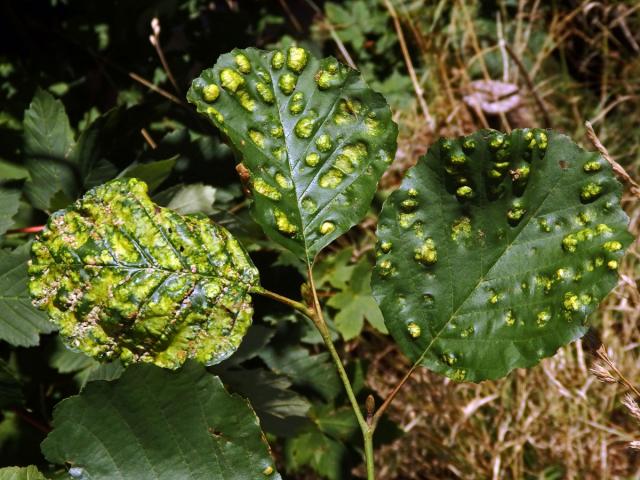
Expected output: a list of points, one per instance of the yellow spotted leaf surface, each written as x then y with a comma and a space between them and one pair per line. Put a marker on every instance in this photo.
124, 278
313, 136
495, 249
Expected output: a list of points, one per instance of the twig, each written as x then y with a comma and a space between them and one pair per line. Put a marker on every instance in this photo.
617, 168
31, 421
409, 63
154, 39
148, 138
294, 21
530, 85
155, 88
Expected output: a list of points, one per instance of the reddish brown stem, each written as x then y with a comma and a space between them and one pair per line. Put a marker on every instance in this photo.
35, 229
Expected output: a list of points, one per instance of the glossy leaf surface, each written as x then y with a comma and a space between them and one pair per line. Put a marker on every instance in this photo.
124, 278
495, 249
154, 424
313, 137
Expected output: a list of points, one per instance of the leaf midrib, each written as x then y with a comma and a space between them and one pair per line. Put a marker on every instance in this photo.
482, 277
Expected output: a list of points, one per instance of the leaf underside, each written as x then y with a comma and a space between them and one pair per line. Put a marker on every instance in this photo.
154, 424
124, 278
313, 136
495, 249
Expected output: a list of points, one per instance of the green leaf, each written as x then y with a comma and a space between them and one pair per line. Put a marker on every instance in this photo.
195, 198
355, 303
152, 173
495, 249
313, 136
48, 141
305, 370
124, 278
9, 205
158, 424
10, 388
281, 410
21, 473
322, 453
20, 323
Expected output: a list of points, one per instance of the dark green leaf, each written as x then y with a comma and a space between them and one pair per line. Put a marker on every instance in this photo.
305, 370
318, 451
20, 323
48, 141
313, 136
158, 424
495, 249
9, 204
124, 278
152, 173
10, 388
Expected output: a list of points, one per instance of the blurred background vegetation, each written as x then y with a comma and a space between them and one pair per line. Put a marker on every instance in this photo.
447, 68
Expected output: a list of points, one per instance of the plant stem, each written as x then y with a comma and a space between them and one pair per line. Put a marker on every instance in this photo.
317, 317
300, 307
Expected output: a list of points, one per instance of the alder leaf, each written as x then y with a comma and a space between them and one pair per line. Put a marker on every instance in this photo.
313, 137
9, 205
495, 249
154, 424
20, 323
125, 278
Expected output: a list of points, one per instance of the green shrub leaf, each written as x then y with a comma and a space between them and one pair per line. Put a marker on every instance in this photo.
20, 323
48, 142
9, 205
314, 138
495, 249
154, 424
21, 473
124, 278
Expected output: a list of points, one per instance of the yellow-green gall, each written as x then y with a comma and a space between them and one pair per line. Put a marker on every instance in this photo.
211, 92
590, 192
591, 167
458, 375
215, 114
332, 178
509, 318
543, 318
268, 470
385, 268
312, 159
426, 253
246, 100
296, 105
244, 65
297, 59
414, 330
283, 181
464, 192
277, 61
386, 247
323, 142
265, 92
409, 205
276, 131
287, 83
283, 224
571, 302
309, 205
230, 79
412, 192
304, 127
323, 79
612, 246
257, 137
327, 227
612, 264
461, 229
263, 188
515, 214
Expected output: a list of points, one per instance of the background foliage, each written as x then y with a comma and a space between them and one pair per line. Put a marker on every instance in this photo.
86, 96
